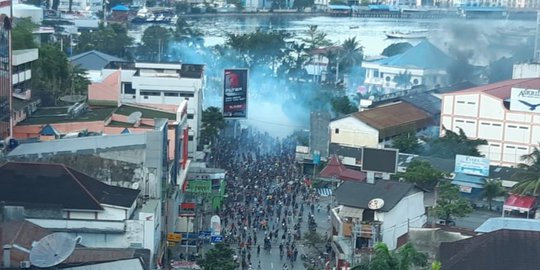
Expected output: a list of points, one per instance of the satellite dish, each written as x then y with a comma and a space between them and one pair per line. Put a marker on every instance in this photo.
376, 204
52, 249
134, 117
135, 185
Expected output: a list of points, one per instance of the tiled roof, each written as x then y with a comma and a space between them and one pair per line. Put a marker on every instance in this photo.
394, 119
501, 89
422, 56
425, 101
56, 185
498, 250
358, 194
22, 233
334, 168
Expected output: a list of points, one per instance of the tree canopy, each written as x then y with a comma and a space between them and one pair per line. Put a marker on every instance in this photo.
453, 143
212, 123
404, 258
407, 143
112, 39
421, 173
342, 105
218, 258
22, 34
529, 175
316, 39
396, 48
492, 189
450, 204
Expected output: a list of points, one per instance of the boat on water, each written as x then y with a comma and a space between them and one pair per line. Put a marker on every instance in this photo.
354, 27
417, 34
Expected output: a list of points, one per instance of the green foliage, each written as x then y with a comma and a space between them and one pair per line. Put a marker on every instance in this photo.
396, 48
403, 80
315, 39
407, 143
453, 143
350, 55
155, 41
436, 265
212, 123
111, 39
405, 258
22, 34
342, 105
529, 175
218, 258
420, 172
51, 73
450, 204
492, 189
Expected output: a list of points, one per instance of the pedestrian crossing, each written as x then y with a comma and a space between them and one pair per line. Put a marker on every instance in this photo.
325, 192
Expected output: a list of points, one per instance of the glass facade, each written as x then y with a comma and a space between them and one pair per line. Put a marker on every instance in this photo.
5, 77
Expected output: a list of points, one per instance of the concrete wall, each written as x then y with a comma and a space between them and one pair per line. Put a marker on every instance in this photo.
408, 213
350, 131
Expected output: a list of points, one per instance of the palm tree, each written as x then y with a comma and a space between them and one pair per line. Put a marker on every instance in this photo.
350, 54
404, 258
529, 176
492, 189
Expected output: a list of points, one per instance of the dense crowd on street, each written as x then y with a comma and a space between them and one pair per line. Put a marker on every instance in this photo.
268, 198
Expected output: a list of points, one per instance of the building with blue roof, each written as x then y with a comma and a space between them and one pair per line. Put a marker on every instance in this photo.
500, 223
422, 65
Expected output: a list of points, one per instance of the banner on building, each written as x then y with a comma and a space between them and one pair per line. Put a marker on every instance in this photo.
472, 165
235, 93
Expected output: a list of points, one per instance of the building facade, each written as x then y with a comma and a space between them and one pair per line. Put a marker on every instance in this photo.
5, 74
504, 114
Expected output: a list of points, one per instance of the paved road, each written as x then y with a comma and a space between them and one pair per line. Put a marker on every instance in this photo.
475, 219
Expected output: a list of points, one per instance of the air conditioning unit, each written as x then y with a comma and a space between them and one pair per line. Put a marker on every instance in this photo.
25, 265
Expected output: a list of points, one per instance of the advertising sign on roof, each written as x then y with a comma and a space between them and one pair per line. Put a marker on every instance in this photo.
472, 165
525, 100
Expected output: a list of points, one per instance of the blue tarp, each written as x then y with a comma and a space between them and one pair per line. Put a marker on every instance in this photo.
120, 8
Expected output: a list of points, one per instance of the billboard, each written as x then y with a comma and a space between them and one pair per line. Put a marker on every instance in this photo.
379, 160
235, 93
525, 100
472, 165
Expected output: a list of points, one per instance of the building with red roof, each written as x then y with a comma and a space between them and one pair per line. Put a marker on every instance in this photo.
336, 170
506, 114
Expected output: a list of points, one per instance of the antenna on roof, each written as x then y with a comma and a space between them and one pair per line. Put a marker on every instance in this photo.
134, 117
53, 249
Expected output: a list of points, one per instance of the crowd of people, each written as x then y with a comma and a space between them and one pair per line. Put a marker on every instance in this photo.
268, 199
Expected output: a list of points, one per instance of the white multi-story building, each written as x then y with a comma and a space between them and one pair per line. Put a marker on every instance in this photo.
505, 114
81, 5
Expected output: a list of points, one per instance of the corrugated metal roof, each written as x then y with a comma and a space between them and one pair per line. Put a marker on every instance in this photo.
499, 223
501, 89
78, 144
394, 119
93, 60
425, 55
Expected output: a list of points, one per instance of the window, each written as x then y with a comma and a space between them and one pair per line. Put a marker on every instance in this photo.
190, 138
376, 73
511, 126
128, 88
459, 121
189, 116
510, 147
150, 93
471, 103
495, 145
336, 131
470, 122
186, 94
485, 124
171, 94
496, 125
522, 148
461, 102
523, 127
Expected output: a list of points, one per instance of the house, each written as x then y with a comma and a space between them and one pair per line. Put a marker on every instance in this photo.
370, 213
503, 113
377, 126
335, 170
498, 250
423, 64
93, 62
73, 202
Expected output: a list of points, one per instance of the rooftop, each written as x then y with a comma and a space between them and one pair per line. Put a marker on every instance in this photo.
52, 115
358, 194
334, 168
93, 60
498, 250
393, 119
501, 89
59, 187
146, 112
499, 223
425, 55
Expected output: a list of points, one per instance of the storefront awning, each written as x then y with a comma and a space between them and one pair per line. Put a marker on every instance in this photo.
520, 203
